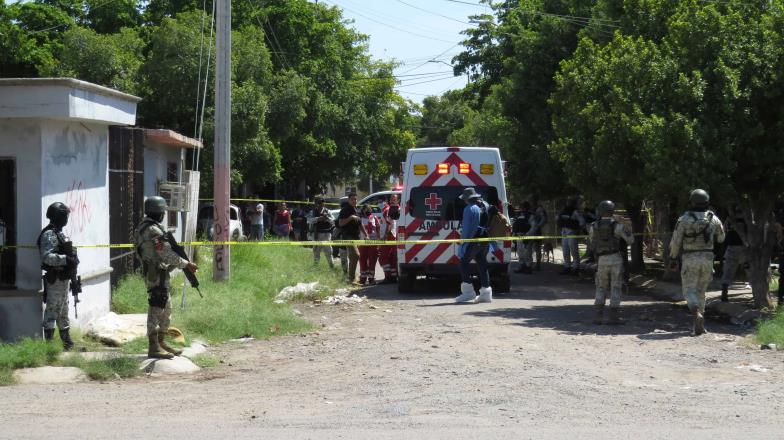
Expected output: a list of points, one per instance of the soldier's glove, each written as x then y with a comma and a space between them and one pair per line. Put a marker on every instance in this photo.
71, 260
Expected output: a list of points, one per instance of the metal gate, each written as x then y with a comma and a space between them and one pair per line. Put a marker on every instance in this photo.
126, 195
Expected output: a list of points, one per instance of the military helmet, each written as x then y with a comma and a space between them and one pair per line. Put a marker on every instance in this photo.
699, 199
605, 207
155, 205
57, 212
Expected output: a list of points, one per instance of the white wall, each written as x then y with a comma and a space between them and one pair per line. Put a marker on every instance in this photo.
156, 157
75, 171
20, 140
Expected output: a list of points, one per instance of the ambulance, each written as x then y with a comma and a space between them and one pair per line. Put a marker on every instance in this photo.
433, 181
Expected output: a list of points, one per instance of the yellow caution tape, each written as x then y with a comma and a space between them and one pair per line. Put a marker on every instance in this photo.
295, 202
333, 242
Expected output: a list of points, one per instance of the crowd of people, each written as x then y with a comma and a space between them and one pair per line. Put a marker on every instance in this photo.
318, 224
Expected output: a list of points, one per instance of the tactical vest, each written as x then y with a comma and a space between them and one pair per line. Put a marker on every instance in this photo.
604, 239
698, 233
58, 250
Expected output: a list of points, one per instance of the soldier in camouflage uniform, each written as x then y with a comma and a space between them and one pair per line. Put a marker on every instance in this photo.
56, 260
605, 236
694, 234
158, 260
737, 252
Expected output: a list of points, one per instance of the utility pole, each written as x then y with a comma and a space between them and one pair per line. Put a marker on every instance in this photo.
222, 167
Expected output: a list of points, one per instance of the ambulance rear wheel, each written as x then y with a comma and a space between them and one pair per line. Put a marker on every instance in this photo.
501, 283
405, 281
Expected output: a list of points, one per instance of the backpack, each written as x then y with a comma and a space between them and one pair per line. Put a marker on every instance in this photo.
498, 225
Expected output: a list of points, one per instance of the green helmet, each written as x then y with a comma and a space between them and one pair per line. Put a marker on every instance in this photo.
57, 212
155, 205
699, 199
606, 207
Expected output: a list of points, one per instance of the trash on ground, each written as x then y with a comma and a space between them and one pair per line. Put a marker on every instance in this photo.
299, 291
343, 299
753, 367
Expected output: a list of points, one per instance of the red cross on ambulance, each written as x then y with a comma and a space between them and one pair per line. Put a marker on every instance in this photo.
433, 202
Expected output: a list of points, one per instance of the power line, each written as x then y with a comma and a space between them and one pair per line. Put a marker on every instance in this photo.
392, 26
431, 12
424, 82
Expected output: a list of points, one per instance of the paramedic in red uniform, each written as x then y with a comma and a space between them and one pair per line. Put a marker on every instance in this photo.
474, 225
387, 255
368, 254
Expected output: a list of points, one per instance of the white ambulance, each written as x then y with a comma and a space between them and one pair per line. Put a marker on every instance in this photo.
433, 180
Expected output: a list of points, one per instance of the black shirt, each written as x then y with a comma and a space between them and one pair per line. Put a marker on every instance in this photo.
349, 231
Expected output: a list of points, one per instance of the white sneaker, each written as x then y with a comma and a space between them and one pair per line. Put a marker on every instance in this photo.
485, 295
466, 293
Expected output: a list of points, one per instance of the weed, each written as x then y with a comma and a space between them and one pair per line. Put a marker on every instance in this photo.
205, 361
113, 367
243, 306
28, 353
771, 331
6, 377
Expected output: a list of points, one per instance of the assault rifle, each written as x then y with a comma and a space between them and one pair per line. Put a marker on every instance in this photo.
76, 280
179, 250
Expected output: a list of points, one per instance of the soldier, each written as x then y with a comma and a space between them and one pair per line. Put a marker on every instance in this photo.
571, 222
694, 233
538, 222
520, 227
158, 260
736, 253
606, 236
58, 260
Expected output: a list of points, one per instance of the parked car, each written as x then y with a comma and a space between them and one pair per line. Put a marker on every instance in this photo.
206, 220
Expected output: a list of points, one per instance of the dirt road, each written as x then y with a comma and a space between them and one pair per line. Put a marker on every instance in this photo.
528, 365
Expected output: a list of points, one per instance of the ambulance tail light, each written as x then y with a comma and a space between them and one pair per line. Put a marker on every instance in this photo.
464, 168
486, 168
443, 168
420, 169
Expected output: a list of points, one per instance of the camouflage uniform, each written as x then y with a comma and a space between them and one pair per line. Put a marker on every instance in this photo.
158, 259
609, 269
56, 291
695, 233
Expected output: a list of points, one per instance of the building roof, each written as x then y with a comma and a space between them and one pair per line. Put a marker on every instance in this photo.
65, 99
170, 138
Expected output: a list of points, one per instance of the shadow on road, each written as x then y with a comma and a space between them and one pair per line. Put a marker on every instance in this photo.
649, 321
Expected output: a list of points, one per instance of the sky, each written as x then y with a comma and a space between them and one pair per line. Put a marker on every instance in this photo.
423, 35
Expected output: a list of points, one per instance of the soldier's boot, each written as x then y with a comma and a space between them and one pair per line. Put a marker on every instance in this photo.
614, 317
155, 350
699, 323
65, 337
724, 293
598, 315
162, 343
48, 334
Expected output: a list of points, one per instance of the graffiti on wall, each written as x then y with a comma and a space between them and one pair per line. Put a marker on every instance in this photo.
76, 200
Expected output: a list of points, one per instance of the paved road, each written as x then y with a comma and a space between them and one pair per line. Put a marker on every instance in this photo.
529, 365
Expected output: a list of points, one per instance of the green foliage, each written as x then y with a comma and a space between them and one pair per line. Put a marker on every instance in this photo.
28, 353
112, 60
130, 295
242, 307
113, 367
206, 361
771, 331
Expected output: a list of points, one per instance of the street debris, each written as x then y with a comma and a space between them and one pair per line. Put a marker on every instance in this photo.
299, 291
115, 330
773, 347
753, 367
343, 299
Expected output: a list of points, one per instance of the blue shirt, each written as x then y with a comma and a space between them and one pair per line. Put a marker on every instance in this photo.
471, 216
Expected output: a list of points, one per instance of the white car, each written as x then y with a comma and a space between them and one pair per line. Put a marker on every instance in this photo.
206, 220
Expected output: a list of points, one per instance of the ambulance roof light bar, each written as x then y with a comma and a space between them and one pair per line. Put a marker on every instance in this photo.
443, 168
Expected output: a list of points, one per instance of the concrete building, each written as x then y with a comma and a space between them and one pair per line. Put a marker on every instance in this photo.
54, 146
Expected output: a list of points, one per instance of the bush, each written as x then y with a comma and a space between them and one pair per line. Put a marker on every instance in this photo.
771, 331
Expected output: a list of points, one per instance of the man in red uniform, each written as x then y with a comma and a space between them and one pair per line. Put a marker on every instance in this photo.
388, 254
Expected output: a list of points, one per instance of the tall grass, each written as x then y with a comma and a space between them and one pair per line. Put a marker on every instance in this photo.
771, 331
26, 353
243, 306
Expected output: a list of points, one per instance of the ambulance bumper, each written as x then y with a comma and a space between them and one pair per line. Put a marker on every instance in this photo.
452, 269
